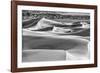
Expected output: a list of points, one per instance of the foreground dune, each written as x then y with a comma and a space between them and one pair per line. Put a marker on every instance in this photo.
50, 47
43, 55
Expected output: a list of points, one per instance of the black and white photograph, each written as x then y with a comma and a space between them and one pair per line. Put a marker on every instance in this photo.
51, 36
55, 36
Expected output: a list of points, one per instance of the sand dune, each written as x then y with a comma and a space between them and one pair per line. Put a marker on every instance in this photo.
46, 47
40, 45
43, 55
55, 27
43, 23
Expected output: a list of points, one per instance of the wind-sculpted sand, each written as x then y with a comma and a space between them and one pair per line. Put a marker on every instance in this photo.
50, 40
50, 47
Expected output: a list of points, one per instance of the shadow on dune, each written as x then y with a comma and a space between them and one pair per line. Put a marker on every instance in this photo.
49, 43
30, 23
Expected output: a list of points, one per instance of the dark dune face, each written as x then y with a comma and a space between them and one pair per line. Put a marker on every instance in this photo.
45, 29
30, 23
83, 33
33, 42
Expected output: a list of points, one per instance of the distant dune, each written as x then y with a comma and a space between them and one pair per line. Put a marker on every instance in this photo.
56, 27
